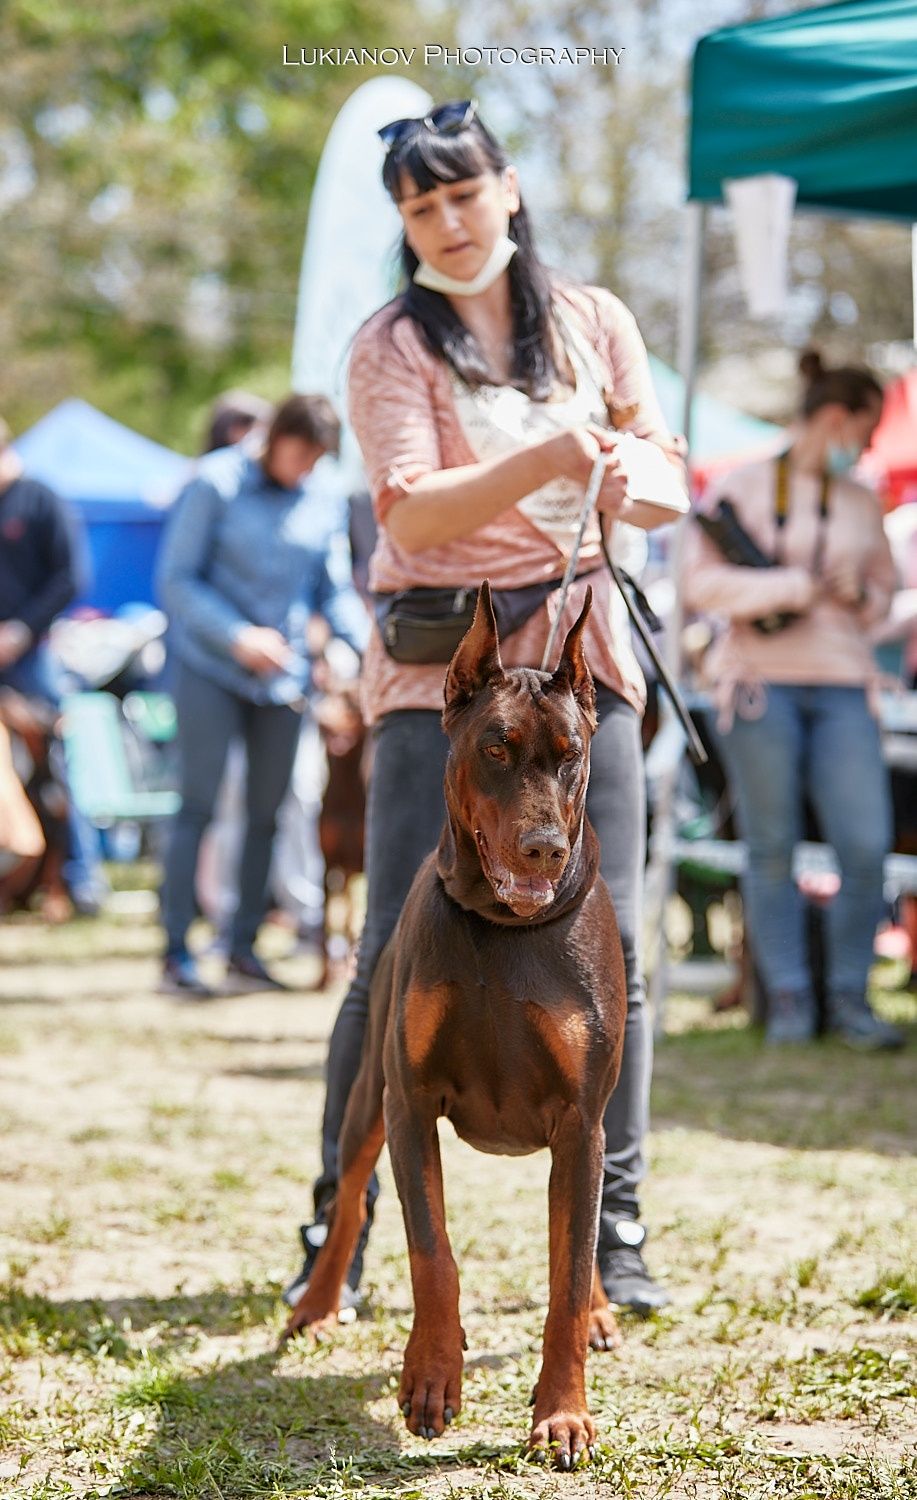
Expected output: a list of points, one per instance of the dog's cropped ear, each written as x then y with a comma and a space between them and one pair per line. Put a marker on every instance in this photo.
477, 658
572, 671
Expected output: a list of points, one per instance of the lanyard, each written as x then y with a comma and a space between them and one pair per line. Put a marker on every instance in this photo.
782, 510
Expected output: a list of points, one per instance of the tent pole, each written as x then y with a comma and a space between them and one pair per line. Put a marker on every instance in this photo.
659, 875
689, 310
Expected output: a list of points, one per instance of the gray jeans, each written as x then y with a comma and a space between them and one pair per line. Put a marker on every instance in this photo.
404, 818
209, 718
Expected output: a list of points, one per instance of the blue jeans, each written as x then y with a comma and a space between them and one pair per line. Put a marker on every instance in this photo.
209, 718
37, 675
821, 740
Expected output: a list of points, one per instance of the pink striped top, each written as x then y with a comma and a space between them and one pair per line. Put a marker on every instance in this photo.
403, 412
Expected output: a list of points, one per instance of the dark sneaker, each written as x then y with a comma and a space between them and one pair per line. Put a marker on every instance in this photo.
790, 1019
625, 1278
352, 1300
180, 977
855, 1022
246, 974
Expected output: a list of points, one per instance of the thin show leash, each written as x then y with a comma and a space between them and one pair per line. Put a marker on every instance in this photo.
589, 503
695, 745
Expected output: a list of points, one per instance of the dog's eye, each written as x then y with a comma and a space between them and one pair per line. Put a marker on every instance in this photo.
496, 752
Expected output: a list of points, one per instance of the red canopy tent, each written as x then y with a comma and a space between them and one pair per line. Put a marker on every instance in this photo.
892, 457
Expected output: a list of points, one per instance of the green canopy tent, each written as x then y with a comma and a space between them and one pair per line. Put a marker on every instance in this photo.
827, 97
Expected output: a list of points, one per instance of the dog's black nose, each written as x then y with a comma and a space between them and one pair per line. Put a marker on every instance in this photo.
543, 848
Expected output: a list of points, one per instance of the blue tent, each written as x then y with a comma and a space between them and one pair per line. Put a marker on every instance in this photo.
119, 483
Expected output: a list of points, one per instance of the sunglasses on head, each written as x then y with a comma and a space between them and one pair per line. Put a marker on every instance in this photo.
446, 119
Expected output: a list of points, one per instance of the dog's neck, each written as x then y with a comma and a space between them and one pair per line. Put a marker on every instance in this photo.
458, 864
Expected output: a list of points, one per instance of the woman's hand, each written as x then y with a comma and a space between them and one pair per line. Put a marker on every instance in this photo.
571, 454
843, 582
261, 649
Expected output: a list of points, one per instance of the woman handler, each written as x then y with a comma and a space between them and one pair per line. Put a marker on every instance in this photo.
481, 398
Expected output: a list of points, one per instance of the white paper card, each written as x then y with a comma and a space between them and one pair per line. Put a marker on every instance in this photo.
650, 476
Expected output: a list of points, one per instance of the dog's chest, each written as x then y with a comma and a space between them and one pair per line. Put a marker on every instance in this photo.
503, 1056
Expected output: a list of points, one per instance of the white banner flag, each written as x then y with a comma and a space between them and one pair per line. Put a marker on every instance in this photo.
762, 208
349, 265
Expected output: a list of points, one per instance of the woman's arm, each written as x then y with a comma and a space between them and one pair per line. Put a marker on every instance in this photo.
421, 504
186, 595
452, 503
711, 585
880, 577
631, 391
334, 595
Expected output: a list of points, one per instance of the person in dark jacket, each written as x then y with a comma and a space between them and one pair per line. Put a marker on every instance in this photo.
246, 562
41, 573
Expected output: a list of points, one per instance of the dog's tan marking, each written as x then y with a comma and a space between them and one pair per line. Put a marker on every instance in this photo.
565, 1033
423, 1019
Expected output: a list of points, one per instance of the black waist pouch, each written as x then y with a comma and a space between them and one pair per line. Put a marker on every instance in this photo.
423, 626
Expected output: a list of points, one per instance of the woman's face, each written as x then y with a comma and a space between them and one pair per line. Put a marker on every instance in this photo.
850, 429
455, 225
290, 459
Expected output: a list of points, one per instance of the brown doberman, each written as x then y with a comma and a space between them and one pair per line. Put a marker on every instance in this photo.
499, 1002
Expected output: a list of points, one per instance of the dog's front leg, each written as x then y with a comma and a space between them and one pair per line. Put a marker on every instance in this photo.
362, 1138
430, 1393
562, 1422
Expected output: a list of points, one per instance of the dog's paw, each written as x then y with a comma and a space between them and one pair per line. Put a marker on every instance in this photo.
566, 1437
430, 1394
604, 1332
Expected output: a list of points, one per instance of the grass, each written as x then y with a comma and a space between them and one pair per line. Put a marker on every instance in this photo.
894, 1293
157, 1160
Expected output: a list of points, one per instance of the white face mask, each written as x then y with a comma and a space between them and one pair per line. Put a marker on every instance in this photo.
494, 266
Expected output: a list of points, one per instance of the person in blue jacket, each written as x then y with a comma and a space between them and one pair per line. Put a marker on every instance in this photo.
246, 561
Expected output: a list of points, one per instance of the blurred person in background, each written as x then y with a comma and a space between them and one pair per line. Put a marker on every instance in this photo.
41, 573
896, 639
790, 673
240, 574
232, 416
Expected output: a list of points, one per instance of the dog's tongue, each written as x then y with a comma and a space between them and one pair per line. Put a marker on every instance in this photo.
525, 893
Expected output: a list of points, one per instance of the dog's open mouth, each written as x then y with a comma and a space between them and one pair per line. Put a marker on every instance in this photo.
523, 894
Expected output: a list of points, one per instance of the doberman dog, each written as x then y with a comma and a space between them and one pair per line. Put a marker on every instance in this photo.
499, 1003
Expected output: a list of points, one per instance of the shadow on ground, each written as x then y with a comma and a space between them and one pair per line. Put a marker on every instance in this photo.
247, 1429
279, 1073
97, 1325
819, 1097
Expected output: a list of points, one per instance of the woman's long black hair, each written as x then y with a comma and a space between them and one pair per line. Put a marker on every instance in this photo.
430, 159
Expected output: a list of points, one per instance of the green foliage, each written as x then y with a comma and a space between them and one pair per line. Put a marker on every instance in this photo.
165, 161
157, 160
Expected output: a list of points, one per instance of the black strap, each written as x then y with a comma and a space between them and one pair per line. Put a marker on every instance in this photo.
644, 627
782, 511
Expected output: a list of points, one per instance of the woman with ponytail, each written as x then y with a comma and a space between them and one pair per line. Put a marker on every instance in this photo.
791, 673
481, 398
